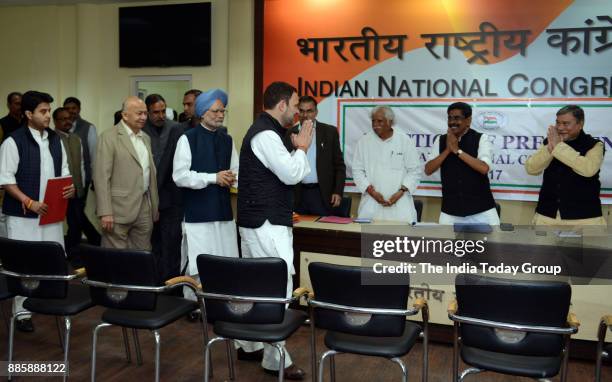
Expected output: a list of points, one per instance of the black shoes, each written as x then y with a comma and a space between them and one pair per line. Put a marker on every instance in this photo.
292, 372
26, 325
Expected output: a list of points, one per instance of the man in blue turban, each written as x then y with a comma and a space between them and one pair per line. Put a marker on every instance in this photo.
206, 167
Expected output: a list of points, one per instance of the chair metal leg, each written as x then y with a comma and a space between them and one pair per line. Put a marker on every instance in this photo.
59, 331
137, 347
207, 358
322, 363
93, 349
402, 366
157, 338
332, 368
455, 352
126, 345
12, 336
313, 345
601, 338
230, 358
425, 336
281, 363
68, 325
566, 350
466, 372
204, 324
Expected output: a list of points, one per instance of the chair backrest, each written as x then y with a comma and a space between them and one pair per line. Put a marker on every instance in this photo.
533, 303
34, 258
259, 277
344, 209
121, 267
342, 285
418, 206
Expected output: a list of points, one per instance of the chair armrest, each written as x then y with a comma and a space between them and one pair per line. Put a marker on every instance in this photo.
301, 292
183, 280
452, 307
572, 320
420, 303
80, 272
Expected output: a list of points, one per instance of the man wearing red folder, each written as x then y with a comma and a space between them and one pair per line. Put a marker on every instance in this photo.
31, 156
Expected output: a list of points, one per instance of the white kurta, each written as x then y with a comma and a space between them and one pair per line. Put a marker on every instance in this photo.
27, 228
272, 240
213, 238
387, 165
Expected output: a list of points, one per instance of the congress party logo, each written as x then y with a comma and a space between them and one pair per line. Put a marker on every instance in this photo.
491, 120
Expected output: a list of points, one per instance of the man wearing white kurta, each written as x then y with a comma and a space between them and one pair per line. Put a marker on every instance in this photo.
206, 166
265, 195
464, 160
386, 171
28, 159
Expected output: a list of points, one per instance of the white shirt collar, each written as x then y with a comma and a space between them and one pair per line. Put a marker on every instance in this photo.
130, 131
36, 133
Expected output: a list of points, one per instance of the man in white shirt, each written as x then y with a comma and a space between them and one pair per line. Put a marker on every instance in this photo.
465, 160
205, 167
386, 170
268, 172
31, 156
126, 181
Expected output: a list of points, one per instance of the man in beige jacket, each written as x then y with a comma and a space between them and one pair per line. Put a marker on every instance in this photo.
125, 181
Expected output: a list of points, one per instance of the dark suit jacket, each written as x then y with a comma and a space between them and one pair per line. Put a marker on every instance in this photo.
331, 170
169, 194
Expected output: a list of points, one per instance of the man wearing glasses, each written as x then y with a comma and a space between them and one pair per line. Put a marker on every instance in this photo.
205, 167
464, 161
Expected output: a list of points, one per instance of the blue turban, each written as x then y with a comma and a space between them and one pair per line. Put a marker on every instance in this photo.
207, 99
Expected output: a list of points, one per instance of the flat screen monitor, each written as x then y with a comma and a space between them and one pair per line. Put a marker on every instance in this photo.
164, 35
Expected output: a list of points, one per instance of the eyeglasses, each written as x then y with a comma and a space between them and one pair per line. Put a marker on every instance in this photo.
218, 111
455, 118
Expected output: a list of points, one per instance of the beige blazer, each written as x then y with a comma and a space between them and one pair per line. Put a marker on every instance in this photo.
118, 176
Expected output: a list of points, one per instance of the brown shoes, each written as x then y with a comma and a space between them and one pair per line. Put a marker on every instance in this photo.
292, 372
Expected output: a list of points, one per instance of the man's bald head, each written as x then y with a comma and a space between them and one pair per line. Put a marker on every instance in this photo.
134, 113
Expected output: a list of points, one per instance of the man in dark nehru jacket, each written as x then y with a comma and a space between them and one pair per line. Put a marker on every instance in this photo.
268, 172
321, 190
12, 120
570, 160
465, 160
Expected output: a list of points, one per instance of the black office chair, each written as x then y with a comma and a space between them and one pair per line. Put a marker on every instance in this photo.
604, 350
511, 326
253, 309
39, 271
418, 206
362, 319
344, 209
126, 282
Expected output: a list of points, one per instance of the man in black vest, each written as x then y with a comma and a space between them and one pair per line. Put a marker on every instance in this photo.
31, 156
465, 160
86, 131
206, 167
570, 160
322, 189
11, 121
268, 172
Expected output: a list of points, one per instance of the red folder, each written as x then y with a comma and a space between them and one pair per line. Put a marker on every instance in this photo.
57, 205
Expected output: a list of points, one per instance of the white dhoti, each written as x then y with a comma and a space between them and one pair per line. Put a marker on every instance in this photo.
485, 217
211, 238
27, 229
269, 241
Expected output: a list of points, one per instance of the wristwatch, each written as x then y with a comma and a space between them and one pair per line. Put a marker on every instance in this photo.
403, 188
459, 152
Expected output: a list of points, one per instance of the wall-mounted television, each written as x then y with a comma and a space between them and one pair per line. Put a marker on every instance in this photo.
165, 35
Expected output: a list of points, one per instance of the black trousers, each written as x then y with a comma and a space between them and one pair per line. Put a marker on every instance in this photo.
311, 202
166, 242
77, 225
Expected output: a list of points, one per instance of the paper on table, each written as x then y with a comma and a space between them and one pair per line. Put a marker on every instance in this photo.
335, 220
57, 205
